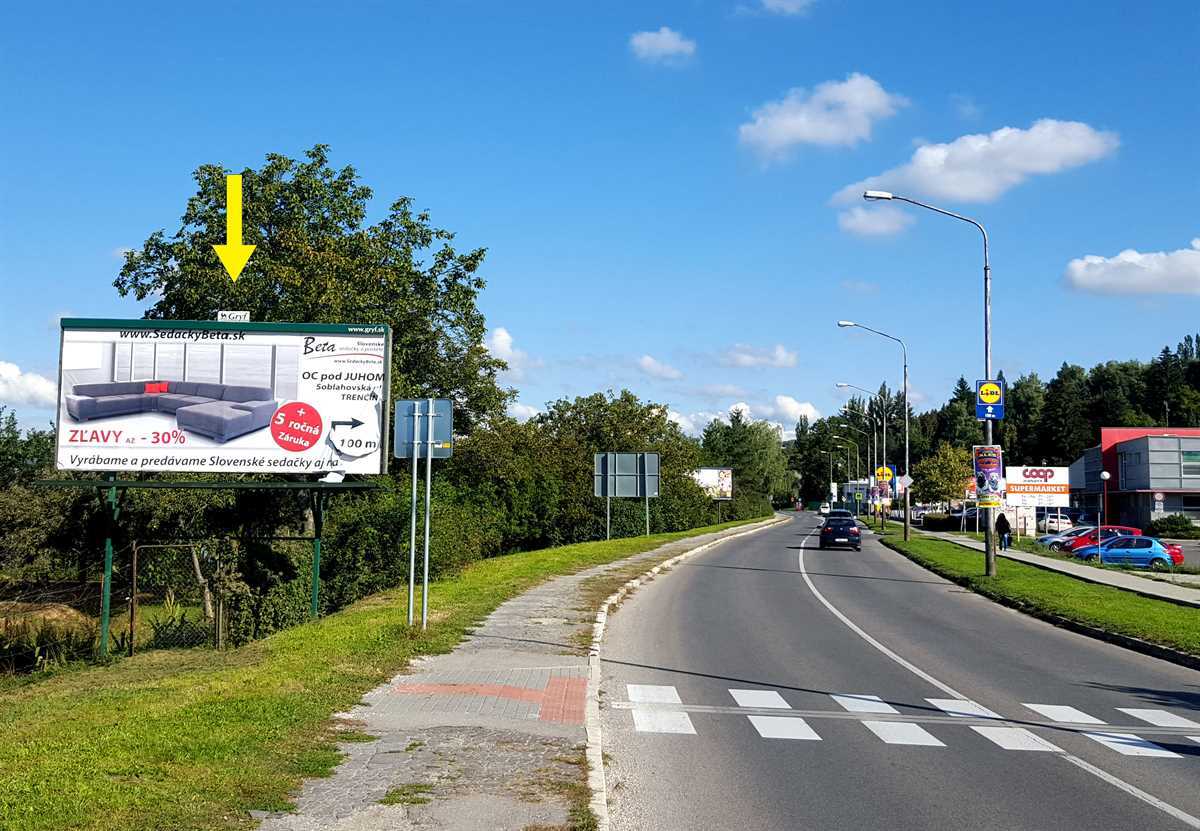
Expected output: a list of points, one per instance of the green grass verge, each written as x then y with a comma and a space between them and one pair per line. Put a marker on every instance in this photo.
195, 739
1046, 592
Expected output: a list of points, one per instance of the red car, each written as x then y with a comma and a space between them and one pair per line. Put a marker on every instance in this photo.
1107, 531
1174, 551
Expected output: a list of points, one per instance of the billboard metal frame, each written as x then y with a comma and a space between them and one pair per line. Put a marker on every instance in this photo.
605, 480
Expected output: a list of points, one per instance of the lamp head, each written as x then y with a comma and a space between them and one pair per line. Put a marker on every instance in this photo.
842, 385
1105, 475
846, 323
876, 195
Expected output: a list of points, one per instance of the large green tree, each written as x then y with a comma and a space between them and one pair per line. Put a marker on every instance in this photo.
317, 260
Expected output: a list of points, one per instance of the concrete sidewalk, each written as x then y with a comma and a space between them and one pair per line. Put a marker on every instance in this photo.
490, 736
1104, 576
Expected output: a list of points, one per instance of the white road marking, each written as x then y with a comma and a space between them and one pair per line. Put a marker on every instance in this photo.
1082, 764
776, 727
1016, 738
1128, 744
653, 693
759, 698
902, 732
864, 704
1162, 718
962, 707
1009, 738
662, 721
656, 720
1057, 712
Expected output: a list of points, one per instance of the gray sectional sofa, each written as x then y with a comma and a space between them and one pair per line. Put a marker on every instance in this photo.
219, 411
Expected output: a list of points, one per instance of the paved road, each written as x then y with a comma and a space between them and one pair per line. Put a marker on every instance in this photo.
843, 690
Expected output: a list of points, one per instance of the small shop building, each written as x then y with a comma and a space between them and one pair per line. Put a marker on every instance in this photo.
1154, 472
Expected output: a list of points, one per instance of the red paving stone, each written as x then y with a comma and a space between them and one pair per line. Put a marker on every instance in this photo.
562, 700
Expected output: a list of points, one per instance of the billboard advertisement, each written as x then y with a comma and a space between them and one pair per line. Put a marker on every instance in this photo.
989, 475
222, 397
1037, 487
716, 482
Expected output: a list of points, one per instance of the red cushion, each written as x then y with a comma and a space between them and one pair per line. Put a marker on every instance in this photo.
150, 388
162, 386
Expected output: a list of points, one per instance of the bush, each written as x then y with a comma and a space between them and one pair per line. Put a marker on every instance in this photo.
942, 522
1175, 526
43, 638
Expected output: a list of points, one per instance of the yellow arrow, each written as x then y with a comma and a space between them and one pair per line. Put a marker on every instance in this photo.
233, 254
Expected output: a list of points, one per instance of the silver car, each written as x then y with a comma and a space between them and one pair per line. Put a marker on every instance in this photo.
1055, 542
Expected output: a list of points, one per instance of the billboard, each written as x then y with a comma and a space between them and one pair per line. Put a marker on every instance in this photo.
989, 475
716, 482
222, 397
625, 474
1037, 487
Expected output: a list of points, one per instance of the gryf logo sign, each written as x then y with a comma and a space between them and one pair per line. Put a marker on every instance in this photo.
989, 393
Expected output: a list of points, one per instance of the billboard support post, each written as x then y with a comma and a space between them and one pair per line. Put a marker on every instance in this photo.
647, 514
608, 518
318, 509
428, 506
111, 511
412, 535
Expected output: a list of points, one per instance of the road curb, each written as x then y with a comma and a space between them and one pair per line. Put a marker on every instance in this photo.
595, 743
1138, 645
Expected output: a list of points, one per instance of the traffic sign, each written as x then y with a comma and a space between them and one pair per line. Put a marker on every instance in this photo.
989, 400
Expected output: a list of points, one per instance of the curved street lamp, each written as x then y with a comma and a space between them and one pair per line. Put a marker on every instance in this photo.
886, 196
883, 415
847, 324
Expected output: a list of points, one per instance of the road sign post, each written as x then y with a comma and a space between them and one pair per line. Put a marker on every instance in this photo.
625, 475
437, 430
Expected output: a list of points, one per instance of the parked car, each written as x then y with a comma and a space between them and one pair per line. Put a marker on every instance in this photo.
824, 509
1055, 542
841, 531
1136, 551
1055, 522
1106, 532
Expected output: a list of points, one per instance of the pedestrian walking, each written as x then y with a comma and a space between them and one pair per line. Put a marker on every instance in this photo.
1004, 530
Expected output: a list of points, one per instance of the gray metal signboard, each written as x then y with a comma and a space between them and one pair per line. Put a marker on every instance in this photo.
405, 424
625, 475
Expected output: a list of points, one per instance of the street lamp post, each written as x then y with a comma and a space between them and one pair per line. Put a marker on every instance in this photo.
873, 447
1103, 512
832, 484
904, 352
857, 471
877, 195
883, 421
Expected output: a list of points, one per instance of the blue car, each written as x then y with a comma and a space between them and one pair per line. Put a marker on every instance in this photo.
1138, 552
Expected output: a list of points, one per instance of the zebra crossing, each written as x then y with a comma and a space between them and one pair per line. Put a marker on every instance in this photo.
658, 708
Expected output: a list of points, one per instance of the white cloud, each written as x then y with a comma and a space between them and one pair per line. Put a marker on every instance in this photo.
791, 409
722, 390
664, 46
500, 343
860, 287
522, 412
788, 7
874, 221
742, 355
26, 388
657, 369
982, 167
1131, 272
965, 106
835, 113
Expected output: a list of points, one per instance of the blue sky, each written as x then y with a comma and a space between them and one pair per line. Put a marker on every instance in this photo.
655, 182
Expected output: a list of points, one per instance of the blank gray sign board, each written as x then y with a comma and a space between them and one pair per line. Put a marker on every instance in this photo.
626, 474
443, 428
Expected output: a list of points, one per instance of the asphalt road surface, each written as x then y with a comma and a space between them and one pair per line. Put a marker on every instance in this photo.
766, 684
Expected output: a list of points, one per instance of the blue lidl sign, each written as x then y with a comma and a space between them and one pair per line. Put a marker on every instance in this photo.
989, 400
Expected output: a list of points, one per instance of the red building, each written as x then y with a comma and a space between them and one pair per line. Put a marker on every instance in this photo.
1154, 472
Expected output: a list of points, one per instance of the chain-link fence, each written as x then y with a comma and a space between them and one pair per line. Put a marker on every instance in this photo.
164, 596
167, 596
